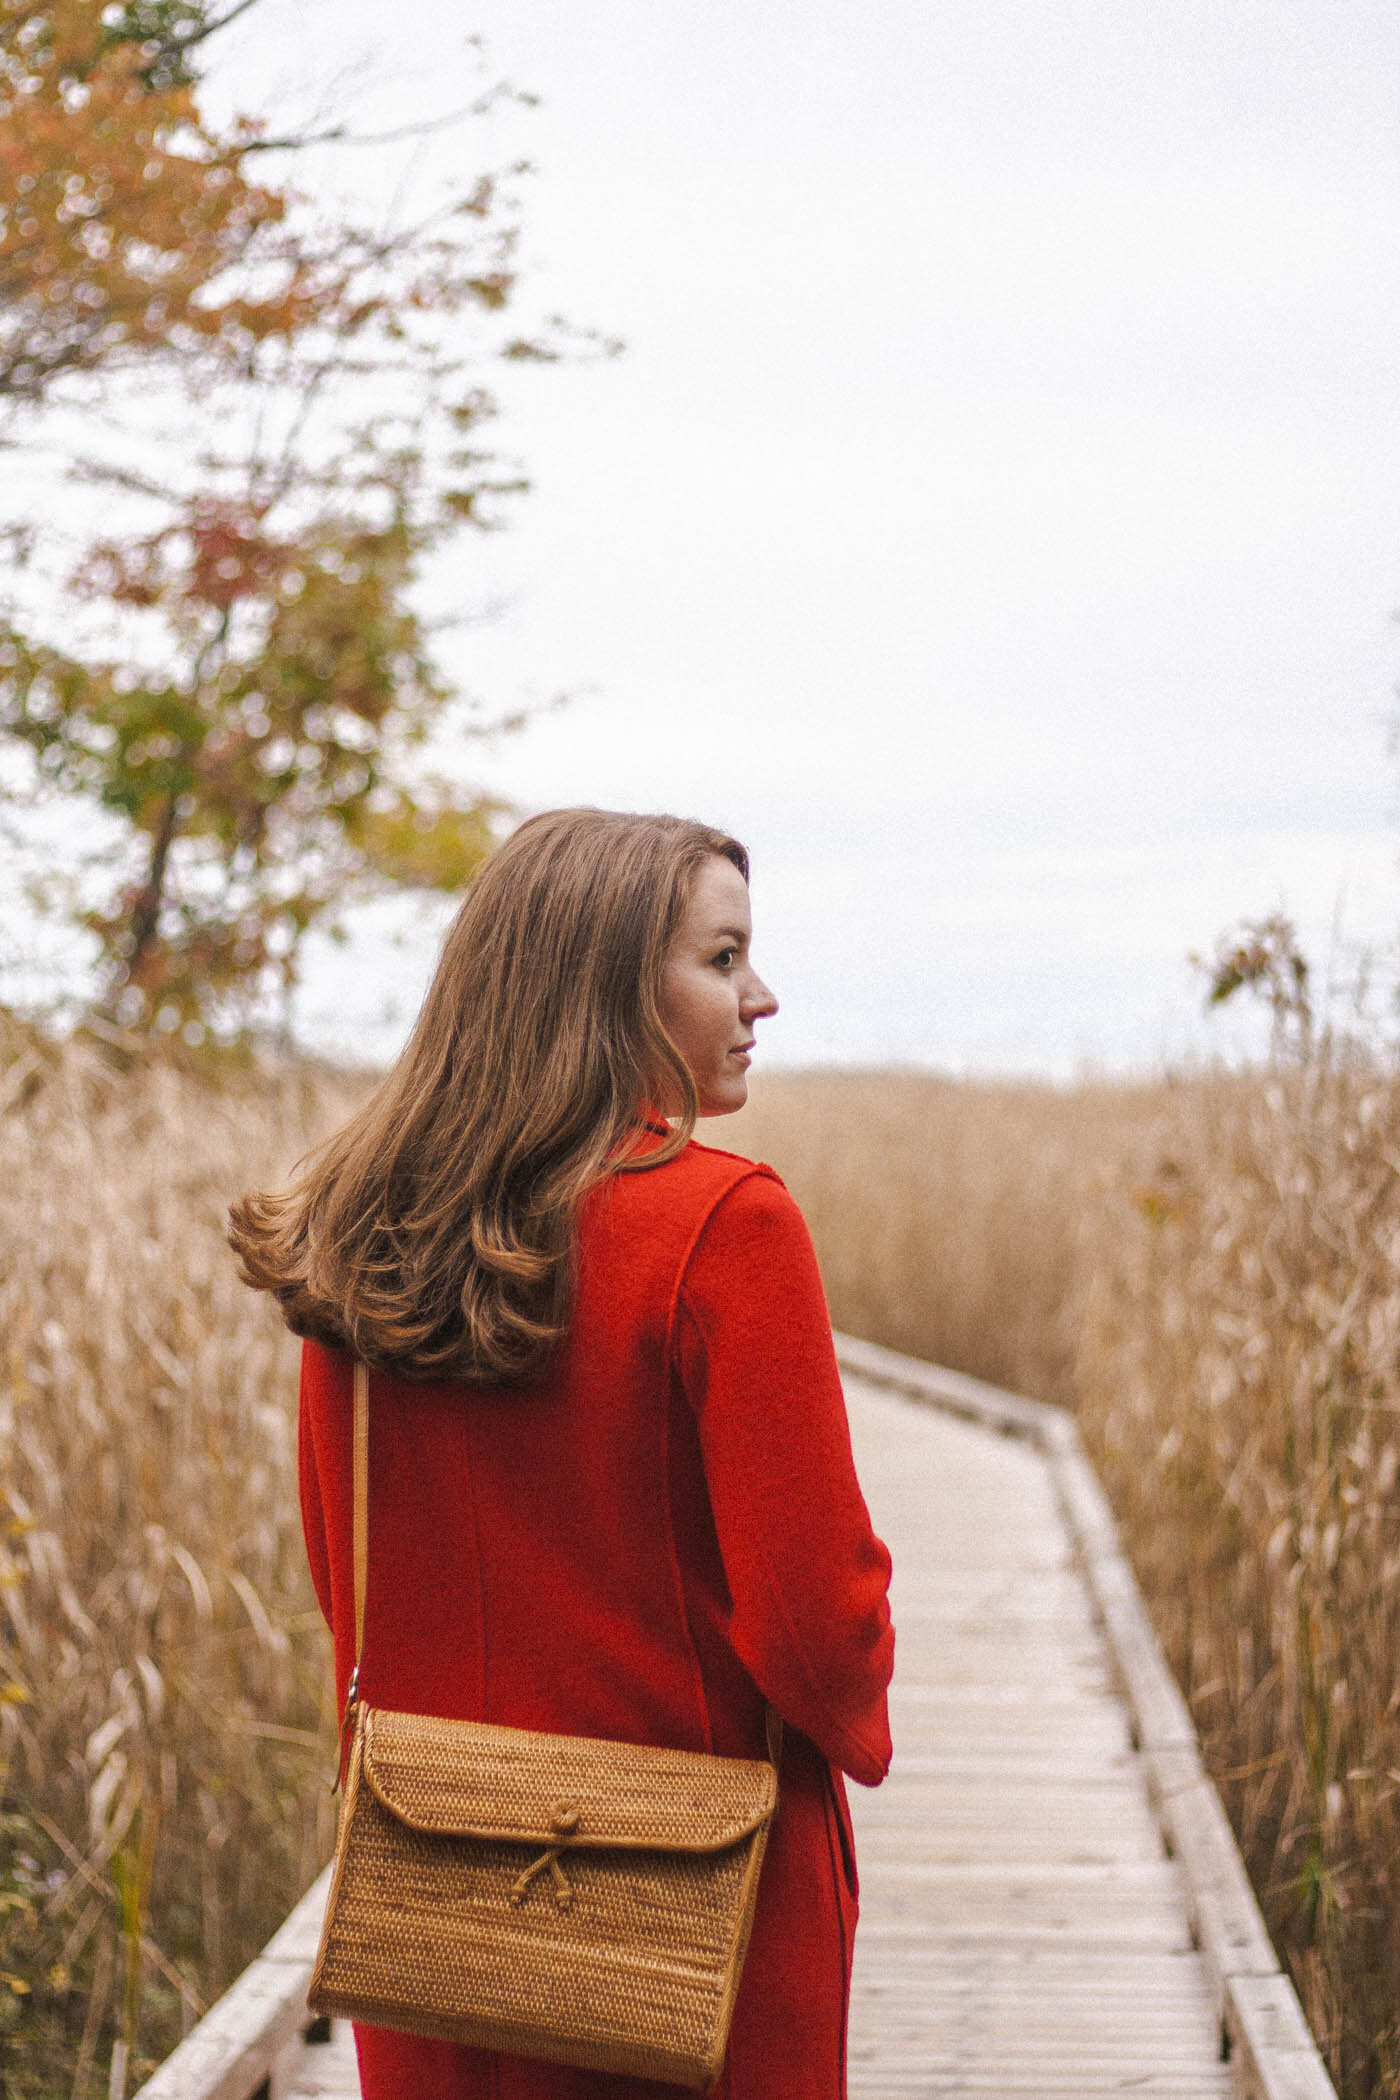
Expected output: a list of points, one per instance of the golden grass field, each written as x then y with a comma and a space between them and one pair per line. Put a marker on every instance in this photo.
1205, 1269
165, 1716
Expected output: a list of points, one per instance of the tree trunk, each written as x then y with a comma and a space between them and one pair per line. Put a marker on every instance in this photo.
145, 912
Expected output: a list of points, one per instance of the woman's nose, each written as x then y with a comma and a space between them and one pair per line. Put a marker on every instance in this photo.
760, 1002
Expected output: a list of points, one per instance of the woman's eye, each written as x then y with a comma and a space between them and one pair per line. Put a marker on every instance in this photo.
725, 958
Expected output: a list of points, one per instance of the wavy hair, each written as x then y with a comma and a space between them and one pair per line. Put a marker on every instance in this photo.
433, 1233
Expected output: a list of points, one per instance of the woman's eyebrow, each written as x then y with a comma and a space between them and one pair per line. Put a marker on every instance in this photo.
736, 934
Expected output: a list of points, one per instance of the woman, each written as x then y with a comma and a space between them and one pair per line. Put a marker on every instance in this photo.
611, 1483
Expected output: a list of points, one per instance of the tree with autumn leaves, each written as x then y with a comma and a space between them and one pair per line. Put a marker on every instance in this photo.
273, 415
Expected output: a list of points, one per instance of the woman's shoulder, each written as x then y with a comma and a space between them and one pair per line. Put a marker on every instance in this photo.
709, 1175
754, 1183
698, 1188
741, 1208
749, 1245
750, 1198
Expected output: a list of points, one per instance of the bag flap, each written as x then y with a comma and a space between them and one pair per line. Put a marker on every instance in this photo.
474, 1779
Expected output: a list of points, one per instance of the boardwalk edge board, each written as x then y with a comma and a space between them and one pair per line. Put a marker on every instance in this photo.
235, 2048
1263, 2035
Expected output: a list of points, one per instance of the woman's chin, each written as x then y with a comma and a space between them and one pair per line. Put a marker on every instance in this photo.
726, 1098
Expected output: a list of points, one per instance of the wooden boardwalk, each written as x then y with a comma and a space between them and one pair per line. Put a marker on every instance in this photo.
1022, 1928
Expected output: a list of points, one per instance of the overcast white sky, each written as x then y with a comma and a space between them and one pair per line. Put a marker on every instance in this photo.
995, 518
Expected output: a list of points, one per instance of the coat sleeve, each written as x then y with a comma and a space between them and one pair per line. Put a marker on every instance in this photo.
808, 1578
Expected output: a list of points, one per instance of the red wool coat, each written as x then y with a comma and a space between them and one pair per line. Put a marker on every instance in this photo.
662, 1532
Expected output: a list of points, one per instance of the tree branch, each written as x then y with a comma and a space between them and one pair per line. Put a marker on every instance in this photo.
196, 36
338, 135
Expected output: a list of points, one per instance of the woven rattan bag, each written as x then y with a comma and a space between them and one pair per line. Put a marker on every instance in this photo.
560, 1897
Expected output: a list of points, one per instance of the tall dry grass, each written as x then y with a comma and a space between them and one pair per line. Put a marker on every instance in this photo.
1238, 1373
1209, 1272
164, 1722
943, 1210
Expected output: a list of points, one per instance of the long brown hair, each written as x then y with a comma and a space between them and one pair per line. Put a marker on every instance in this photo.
433, 1233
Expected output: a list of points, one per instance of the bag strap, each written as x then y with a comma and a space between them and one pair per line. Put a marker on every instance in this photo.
773, 1720
361, 1533
360, 1539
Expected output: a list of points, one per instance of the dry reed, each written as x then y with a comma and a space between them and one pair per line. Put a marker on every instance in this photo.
1238, 1372
942, 1209
163, 1669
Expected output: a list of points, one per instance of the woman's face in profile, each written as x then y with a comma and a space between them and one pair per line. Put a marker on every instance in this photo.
711, 995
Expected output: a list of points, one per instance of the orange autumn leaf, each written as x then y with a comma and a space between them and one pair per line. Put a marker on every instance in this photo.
121, 209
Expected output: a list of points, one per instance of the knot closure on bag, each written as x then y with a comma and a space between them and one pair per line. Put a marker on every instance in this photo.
565, 1818
563, 1894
